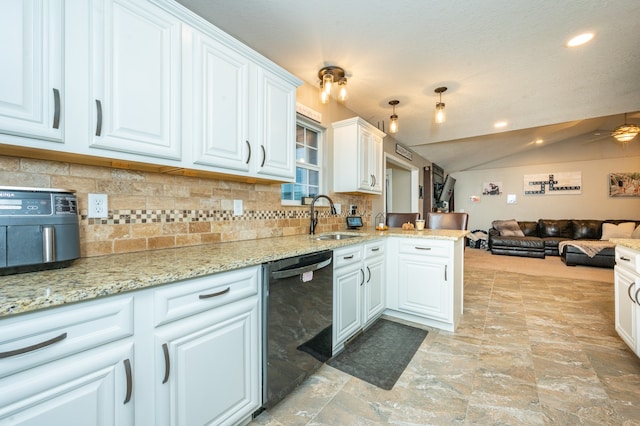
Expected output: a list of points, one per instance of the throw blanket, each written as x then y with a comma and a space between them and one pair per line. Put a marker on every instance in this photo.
590, 248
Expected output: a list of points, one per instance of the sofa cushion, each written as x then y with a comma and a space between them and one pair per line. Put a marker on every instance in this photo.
622, 230
586, 229
508, 228
530, 229
554, 228
521, 242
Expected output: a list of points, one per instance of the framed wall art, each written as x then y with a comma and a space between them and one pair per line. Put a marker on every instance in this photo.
624, 184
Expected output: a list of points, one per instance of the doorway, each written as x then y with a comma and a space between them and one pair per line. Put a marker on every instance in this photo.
401, 186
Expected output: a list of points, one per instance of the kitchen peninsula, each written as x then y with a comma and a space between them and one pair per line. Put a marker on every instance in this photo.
137, 333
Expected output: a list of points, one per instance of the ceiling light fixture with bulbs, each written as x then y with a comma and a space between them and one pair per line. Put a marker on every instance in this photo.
393, 123
330, 77
625, 132
440, 114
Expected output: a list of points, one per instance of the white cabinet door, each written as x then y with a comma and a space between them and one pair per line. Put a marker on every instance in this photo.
373, 299
626, 307
423, 287
220, 108
347, 283
90, 388
31, 74
356, 140
136, 69
208, 366
276, 126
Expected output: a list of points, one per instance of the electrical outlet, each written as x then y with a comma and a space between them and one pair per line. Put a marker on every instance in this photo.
237, 207
98, 206
353, 209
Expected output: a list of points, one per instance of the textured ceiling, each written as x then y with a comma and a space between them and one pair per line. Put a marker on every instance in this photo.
500, 59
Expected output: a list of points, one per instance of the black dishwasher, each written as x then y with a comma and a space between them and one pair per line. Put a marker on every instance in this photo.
297, 321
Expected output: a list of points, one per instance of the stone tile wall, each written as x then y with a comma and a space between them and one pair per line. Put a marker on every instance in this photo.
150, 211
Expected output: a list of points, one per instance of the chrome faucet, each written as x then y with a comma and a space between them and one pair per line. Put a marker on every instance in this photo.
314, 214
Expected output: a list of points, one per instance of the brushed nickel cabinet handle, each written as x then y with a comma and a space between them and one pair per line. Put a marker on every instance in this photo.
445, 272
167, 363
248, 156
629, 292
127, 370
264, 155
369, 271
422, 248
33, 347
56, 111
219, 293
362, 272
637, 293
348, 257
626, 259
99, 118
375, 249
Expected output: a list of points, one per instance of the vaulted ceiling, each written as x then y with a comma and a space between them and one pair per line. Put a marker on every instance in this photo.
501, 60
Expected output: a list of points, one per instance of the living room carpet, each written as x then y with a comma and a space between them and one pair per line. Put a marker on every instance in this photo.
381, 353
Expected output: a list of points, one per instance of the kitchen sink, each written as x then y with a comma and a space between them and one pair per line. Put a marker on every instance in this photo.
335, 236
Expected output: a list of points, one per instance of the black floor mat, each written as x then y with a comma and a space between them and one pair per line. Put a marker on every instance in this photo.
380, 354
319, 346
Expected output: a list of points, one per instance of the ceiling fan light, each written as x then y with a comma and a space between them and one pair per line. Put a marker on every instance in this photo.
626, 132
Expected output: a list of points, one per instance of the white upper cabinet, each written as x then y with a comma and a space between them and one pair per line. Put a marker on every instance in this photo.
136, 69
243, 115
220, 105
354, 138
31, 75
276, 114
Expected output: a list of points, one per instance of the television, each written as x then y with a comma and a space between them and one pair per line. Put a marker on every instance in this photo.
447, 189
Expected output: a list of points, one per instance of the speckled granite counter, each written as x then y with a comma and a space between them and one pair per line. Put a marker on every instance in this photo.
93, 277
627, 242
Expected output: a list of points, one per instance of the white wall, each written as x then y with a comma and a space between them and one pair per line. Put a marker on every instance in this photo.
593, 203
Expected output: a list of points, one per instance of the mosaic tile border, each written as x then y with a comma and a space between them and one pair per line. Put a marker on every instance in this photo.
120, 217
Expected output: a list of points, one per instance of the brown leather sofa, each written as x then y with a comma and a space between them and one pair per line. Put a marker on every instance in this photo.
542, 238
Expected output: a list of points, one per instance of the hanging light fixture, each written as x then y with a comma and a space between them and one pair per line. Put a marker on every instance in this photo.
440, 115
393, 123
329, 76
626, 132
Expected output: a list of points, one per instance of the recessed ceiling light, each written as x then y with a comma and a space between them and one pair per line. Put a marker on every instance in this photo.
579, 40
500, 124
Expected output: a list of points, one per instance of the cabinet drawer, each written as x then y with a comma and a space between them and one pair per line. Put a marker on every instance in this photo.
347, 256
190, 297
34, 339
425, 248
373, 249
628, 259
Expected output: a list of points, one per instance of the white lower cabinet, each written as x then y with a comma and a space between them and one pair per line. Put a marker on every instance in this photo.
73, 365
427, 277
627, 291
207, 365
188, 353
358, 289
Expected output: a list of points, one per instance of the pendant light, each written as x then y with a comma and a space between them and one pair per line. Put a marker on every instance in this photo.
330, 76
440, 114
393, 123
626, 132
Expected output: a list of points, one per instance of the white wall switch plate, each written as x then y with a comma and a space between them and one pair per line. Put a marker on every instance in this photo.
98, 206
511, 198
237, 207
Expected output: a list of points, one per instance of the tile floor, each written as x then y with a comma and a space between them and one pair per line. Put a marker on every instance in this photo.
529, 351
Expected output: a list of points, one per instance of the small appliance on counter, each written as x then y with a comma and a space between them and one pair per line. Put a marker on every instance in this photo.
39, 229
354, 222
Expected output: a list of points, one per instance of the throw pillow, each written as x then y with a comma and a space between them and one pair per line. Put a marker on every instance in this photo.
636, 233
622, 230
508, 228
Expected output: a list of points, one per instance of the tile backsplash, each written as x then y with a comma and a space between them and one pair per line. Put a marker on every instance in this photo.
150, 211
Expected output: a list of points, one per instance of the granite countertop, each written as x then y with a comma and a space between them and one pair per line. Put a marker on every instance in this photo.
91, 277
633, 243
